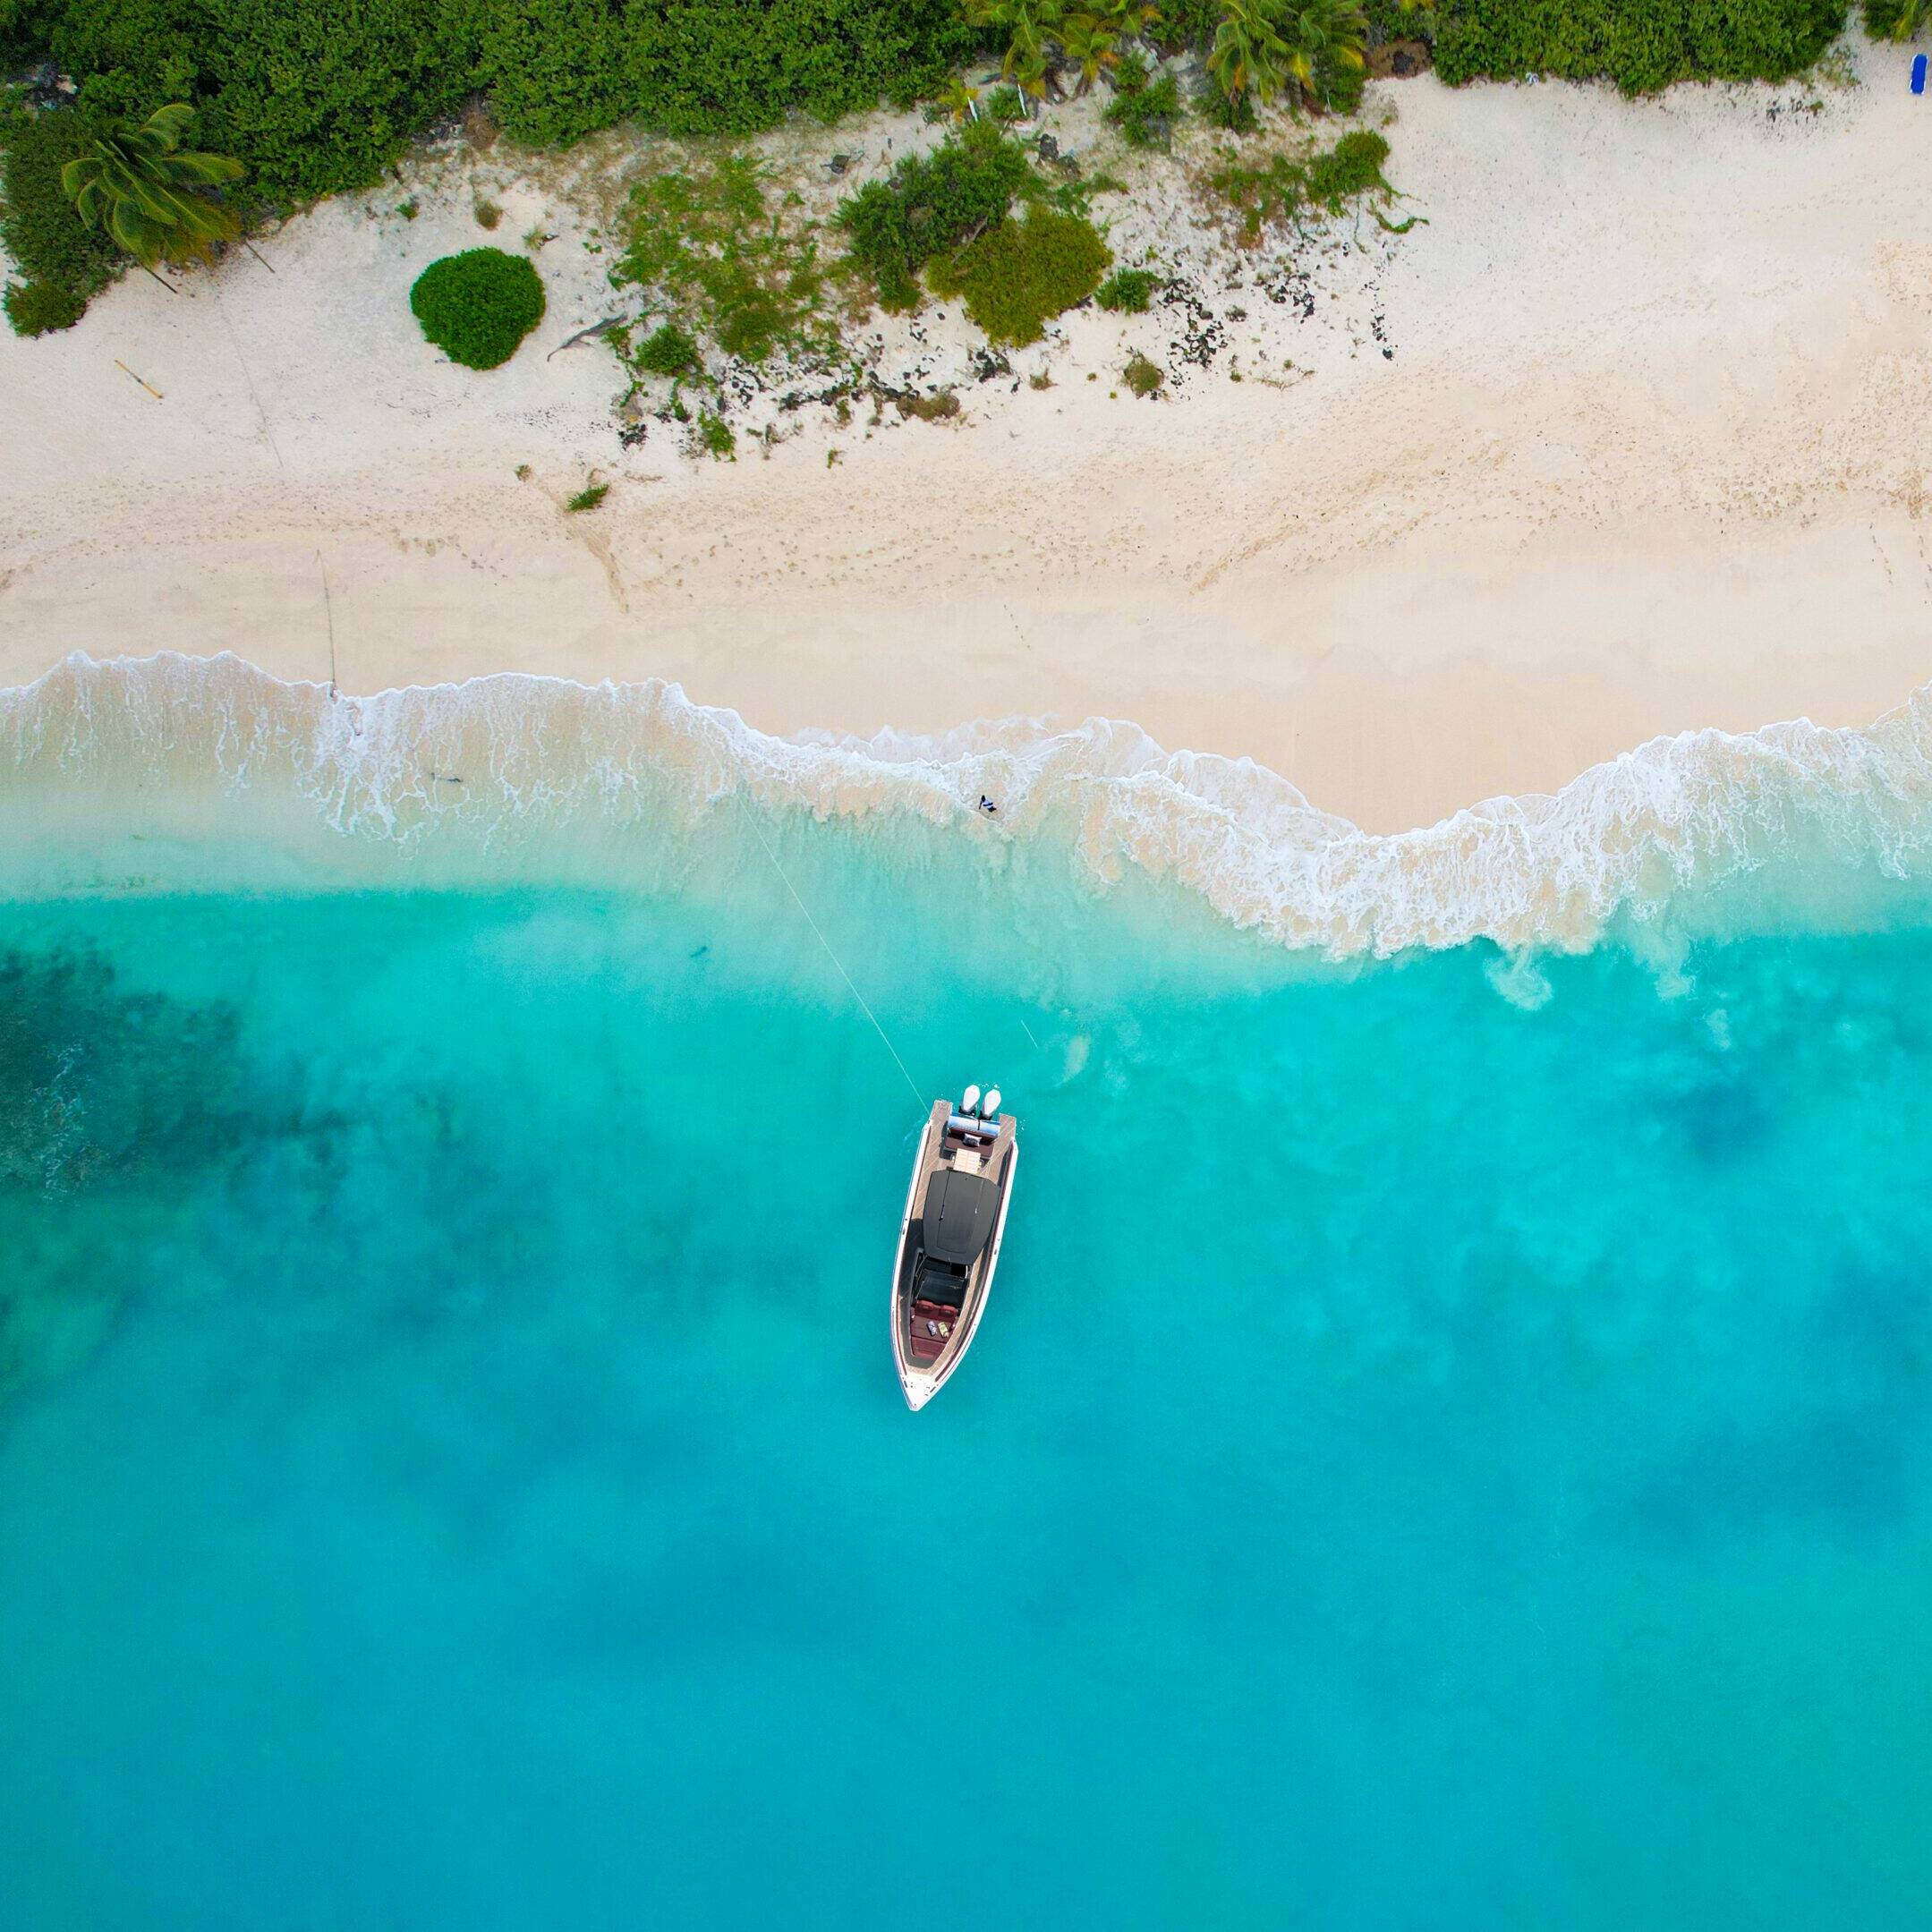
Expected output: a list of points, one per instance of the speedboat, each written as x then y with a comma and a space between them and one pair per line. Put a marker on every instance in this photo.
950, 1238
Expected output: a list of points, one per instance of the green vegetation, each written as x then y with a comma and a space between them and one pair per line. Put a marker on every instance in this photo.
40, 308
1311, 50
1127, 291
668, 351
588, 498
136, 186
931, 203
940, 408
1310, 53
1257, 50
1018, 276
558, 69
47, 241
313, 100
1280, 190
478, 306
488, 214
82, 193
716, 260
1145, 111
317, 99
716, 437
1046, 40
1896, 20
1642, 45
1142, 376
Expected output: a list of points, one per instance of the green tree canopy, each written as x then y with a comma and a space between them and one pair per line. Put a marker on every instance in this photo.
139, 185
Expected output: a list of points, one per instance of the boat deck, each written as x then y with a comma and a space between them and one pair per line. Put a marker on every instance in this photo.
929, 1335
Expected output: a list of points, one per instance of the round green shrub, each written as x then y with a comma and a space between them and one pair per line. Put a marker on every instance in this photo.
39, 308
477, 306
1127, 291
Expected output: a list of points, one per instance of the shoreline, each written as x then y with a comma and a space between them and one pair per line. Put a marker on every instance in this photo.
1628, 474
1494, 701
141, 765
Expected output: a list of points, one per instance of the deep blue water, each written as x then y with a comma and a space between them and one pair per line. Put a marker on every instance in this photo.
1433, 1460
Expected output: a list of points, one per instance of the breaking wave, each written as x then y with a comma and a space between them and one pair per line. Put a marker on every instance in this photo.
496, 766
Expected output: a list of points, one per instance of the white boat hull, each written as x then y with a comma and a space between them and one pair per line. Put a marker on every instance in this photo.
921, 1384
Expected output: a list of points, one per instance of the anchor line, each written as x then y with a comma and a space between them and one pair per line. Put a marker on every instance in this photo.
850, 985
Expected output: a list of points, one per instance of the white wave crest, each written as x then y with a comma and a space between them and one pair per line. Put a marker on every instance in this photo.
510, 758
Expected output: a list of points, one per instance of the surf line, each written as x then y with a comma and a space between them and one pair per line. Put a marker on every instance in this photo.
851, 985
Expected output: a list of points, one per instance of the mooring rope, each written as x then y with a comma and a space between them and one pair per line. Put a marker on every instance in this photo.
836, 961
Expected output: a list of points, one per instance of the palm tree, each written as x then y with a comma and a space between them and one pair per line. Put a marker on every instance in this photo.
1093, 45
1034, 28
1128, 20
1028, 64
960, 101
137, 183
1265, 45
1912, 17
1322, 35
1249, 57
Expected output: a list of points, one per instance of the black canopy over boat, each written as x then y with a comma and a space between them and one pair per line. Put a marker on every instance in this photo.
949, 1242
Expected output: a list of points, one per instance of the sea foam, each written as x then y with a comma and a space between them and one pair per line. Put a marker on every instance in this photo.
480, 777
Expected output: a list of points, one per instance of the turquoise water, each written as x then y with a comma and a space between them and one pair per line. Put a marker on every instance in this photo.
1448, 1447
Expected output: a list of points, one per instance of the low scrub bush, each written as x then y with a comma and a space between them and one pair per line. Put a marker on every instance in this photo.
1127, 291
1398, 19
940, 408
39, 308
707, 245
1142, 376
1280, 189
1642, 45
1145, 111
668, 351
587, 498
930, 204
1186, 25
1016, 277
558, 69
478, 306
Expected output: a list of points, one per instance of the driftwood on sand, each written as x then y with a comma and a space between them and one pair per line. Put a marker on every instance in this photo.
584, 335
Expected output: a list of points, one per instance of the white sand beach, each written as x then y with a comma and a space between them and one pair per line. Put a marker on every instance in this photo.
1652, 452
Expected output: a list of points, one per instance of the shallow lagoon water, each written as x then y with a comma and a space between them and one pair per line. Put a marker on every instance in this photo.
1448, 1446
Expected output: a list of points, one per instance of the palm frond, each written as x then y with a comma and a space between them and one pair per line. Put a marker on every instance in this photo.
211, 168
168, 124
151, 197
